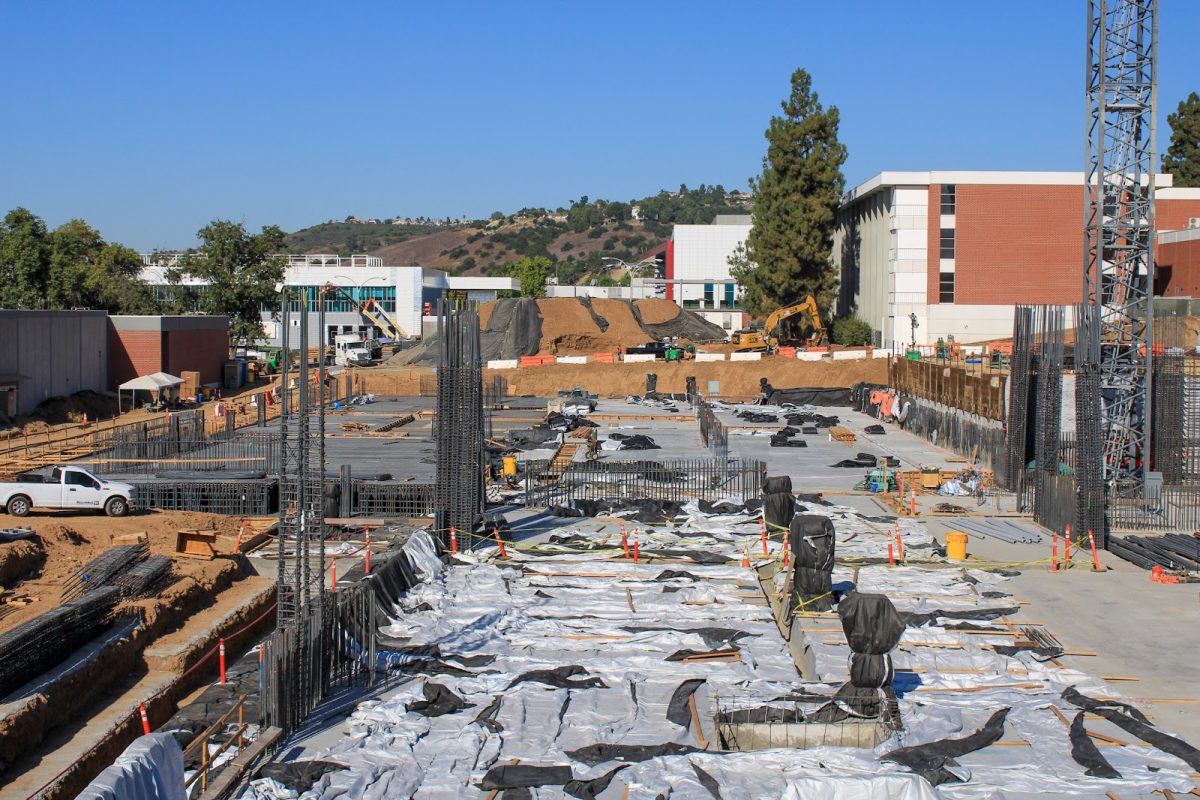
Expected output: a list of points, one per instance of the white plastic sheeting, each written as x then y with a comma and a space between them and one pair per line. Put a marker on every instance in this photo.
578, 603
151, 768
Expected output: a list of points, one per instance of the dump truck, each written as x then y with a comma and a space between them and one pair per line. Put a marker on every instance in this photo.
352, 351
65, 487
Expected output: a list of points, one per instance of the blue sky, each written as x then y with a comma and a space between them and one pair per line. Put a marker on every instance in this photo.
150, 119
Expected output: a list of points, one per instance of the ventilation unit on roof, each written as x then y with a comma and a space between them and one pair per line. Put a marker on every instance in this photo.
1194, 222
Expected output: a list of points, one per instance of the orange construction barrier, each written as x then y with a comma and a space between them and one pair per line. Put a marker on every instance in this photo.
786, 352
603, 358
530, 361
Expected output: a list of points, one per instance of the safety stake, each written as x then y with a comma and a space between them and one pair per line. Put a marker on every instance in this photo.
367, 557
624, 540
453, 542
637, 545
899, 545
1054, 554
891, 554
145, 719
1067, 556
762, 526
221, 657
333, 577
499, 541
913, 502
1095, 556
787, 559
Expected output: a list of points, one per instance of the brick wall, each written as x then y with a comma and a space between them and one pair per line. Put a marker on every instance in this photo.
933, 243
133, 353
1018, 244
203, 351
1178, 269
1173, 215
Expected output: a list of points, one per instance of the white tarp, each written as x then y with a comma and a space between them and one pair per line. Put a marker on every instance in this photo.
151, 768
153, 382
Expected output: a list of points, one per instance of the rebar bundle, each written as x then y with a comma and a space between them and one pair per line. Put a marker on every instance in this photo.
38, 644
235, 498
1018, 398
459, 423
673, 481
142, 578
1049, 337
104, 568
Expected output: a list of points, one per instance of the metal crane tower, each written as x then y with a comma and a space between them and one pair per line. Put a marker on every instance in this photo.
1114, 346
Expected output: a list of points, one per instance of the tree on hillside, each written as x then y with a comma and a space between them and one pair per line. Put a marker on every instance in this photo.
240, 270
787, 255
531, 273
1183, 155
24, 250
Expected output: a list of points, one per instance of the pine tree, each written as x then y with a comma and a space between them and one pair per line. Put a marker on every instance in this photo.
1183, 156
788, 253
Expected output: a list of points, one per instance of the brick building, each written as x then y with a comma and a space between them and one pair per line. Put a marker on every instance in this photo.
1177, 271
961, 249
142, 345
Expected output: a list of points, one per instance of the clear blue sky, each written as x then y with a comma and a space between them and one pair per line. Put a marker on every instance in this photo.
150, 119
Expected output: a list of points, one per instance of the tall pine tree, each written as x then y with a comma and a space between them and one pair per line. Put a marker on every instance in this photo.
788, 253
1183, 155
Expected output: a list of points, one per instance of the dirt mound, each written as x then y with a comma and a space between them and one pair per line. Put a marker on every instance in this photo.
655, 311
59, 410
567, 326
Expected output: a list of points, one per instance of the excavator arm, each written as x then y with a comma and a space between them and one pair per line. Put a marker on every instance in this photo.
808, 306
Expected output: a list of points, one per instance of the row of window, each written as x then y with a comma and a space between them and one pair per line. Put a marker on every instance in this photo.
949, 205
336, 302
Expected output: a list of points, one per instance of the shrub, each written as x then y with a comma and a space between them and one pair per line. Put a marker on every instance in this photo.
851, 331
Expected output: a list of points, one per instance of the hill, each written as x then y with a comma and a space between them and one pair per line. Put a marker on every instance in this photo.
578, 239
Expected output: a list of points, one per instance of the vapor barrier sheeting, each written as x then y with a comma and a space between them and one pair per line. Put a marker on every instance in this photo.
570, 663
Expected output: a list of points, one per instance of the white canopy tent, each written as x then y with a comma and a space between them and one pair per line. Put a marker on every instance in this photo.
156, 382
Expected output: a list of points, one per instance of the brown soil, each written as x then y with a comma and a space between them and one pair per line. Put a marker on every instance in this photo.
655, 311
18, 560
737, 379
485, 313
71, 540
621, 323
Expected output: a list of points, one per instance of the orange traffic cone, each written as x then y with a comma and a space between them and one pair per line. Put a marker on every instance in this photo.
745, 555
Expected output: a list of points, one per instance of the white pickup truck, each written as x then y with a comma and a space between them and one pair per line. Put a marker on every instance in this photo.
68, 488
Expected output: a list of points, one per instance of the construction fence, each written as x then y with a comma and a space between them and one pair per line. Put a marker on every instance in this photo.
712, 430
674, 481
954, 386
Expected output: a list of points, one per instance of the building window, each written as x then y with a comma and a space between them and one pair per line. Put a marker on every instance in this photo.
708, 295
729, 289
948, 204
947, 249
946, 287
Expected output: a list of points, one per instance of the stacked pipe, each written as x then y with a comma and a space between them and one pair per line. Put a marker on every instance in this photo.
811, 539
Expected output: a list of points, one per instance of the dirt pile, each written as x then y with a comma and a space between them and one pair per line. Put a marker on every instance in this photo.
59, 410
569, 326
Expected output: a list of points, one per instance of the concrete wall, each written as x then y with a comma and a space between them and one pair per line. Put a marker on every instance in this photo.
56, 353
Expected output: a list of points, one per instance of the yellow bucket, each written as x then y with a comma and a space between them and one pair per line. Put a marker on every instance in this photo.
510, 466
956, 546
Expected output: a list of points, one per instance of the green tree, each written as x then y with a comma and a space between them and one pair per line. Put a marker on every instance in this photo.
84, 270
787, 255
240, 271
1183, 155
851, 331
532, 273
24, 260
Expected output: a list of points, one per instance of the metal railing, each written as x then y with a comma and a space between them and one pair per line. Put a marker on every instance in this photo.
676, 481
199, 745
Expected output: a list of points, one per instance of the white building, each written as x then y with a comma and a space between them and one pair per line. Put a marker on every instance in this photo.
401, 292
697, 270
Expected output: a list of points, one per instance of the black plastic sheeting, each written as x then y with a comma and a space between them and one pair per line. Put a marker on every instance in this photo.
439, 700
810, 396
560, 677
873, 628
600, 753
708, 782
812, 541
1086, 754
679, 709
933, 760
1131, 720
299, 776
589, 790
513, 776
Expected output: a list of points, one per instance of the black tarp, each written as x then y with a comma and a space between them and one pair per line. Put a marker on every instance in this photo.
299, 776
560, 677
588, 790
932, 760
595, 754
1086, 754
1133, 721
811, 540
778, 510
777, 484
511, 776
679, 709
810, 396
438, 700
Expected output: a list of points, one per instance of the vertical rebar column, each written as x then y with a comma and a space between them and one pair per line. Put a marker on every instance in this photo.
458, 425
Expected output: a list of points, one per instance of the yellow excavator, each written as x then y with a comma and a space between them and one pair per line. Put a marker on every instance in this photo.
774, 332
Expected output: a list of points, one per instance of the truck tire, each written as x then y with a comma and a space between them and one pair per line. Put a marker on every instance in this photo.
116, 507
19, 505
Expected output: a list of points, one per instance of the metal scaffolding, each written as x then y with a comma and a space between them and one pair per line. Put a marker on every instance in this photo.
1114, 344
459, 423
301, 473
